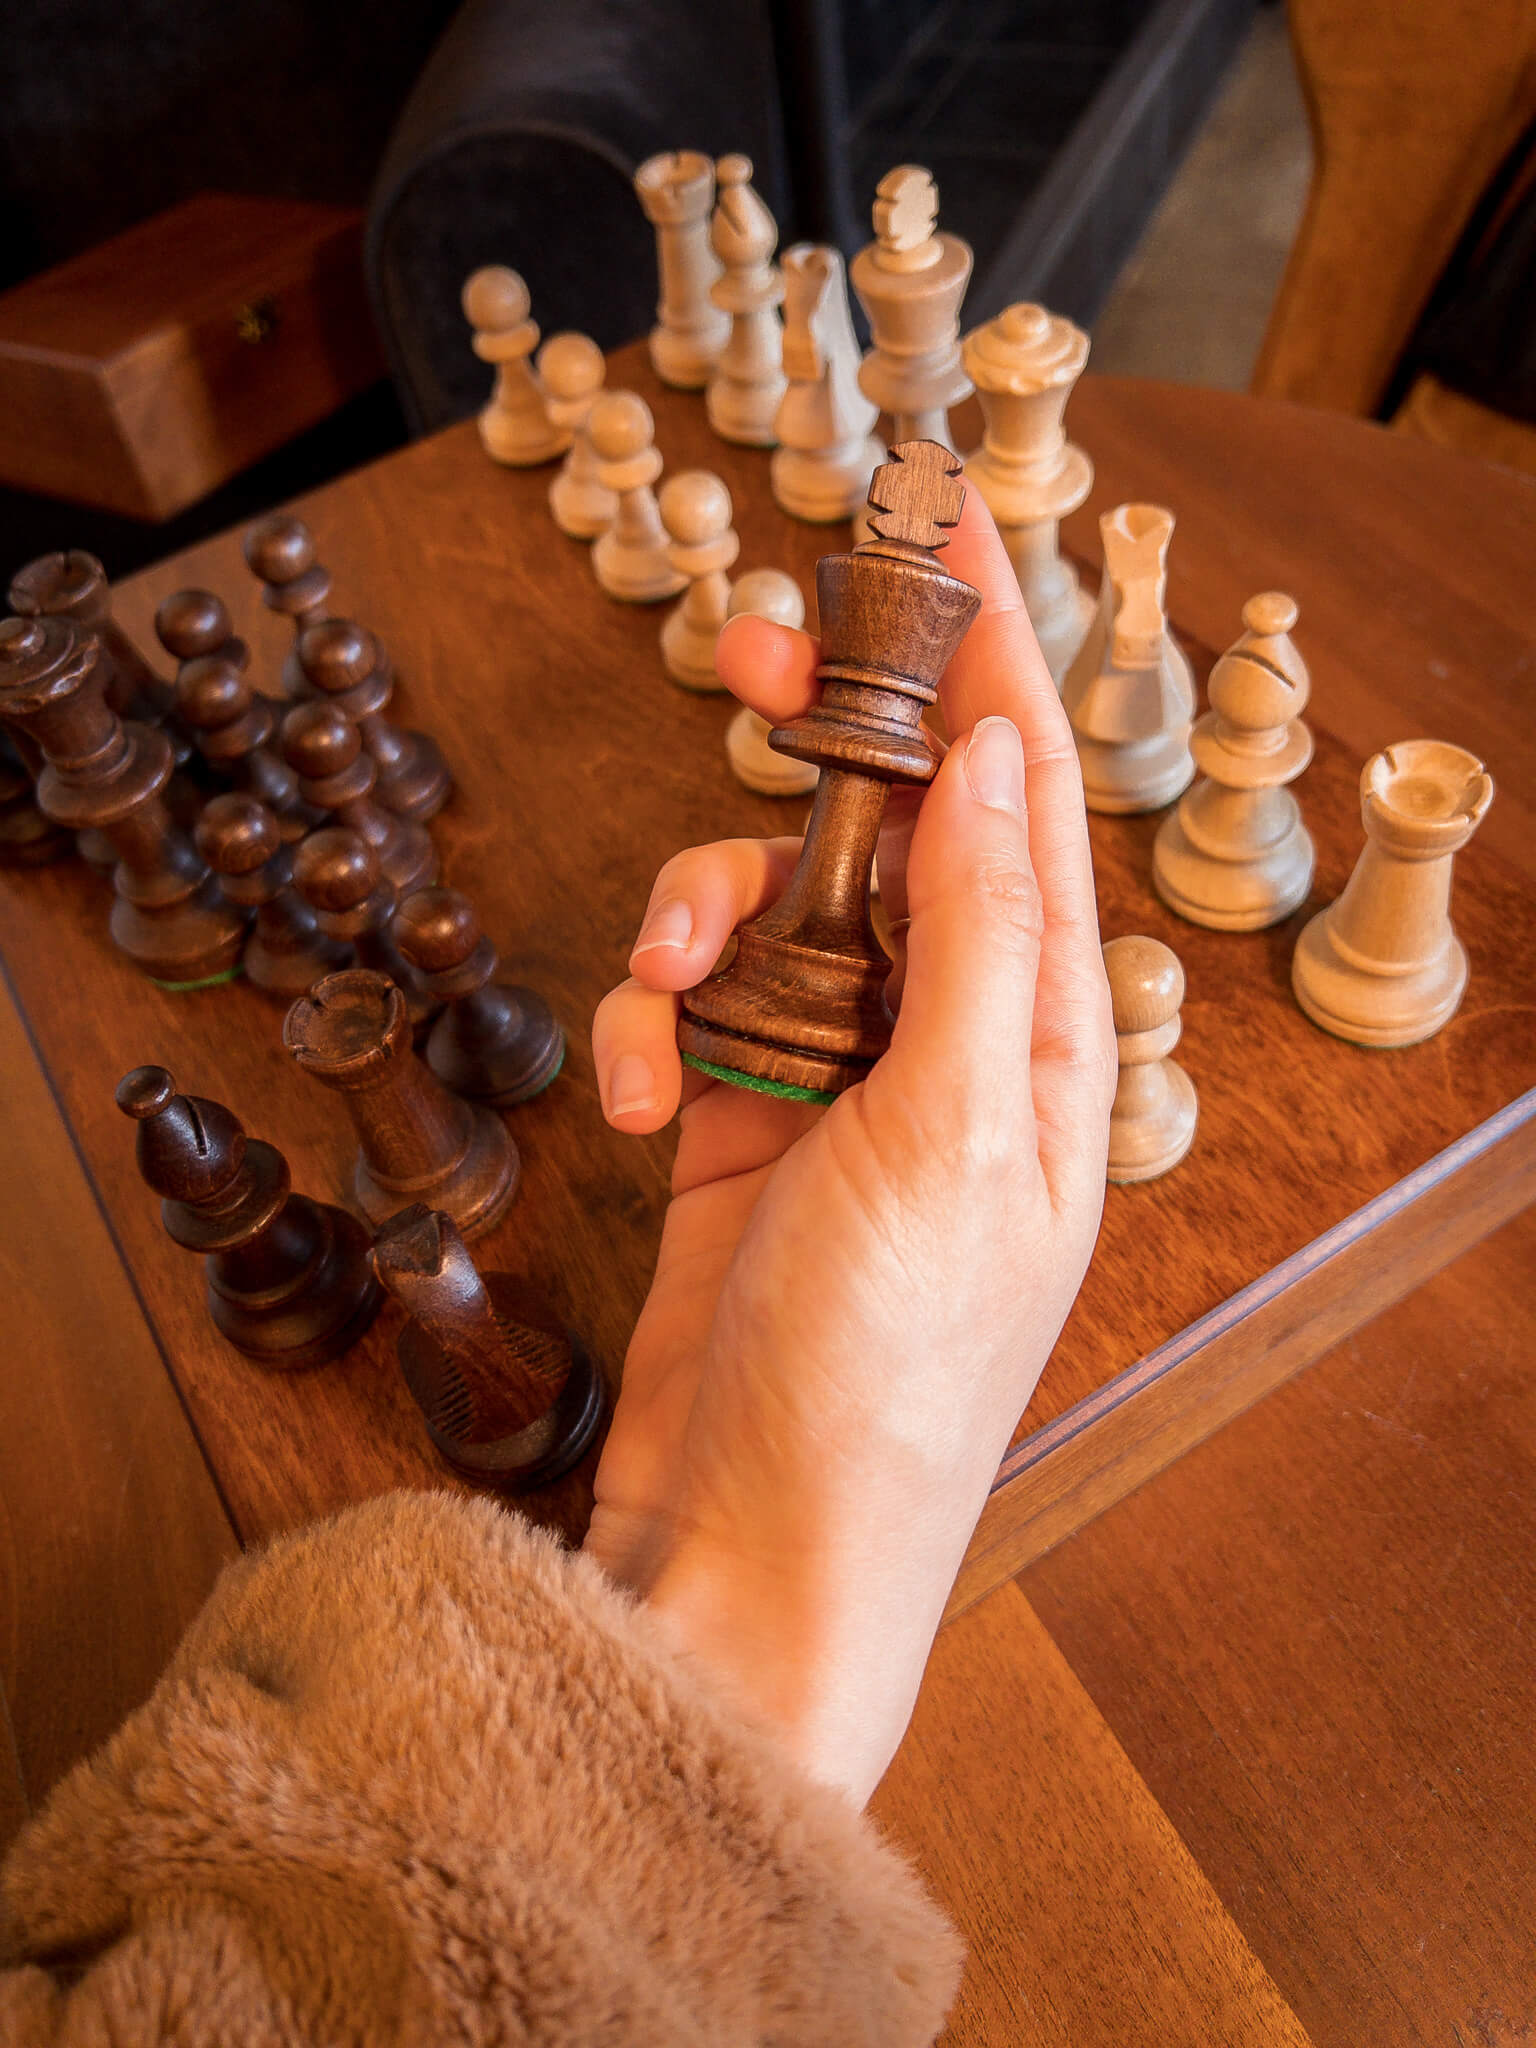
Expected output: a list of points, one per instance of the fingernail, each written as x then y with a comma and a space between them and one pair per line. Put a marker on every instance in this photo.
669, 924
994, 765
631, 1086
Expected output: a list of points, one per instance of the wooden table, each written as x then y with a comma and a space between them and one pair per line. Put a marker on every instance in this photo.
1326, 1181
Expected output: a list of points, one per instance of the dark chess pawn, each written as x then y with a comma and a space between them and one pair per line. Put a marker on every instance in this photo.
74, 586
337, 874
286, 952
168, 916
192, 623
336, 774
281, 551
418, 1143
508, 1396
495, 1041
234, 728
27, 838
344, 662
289, 1280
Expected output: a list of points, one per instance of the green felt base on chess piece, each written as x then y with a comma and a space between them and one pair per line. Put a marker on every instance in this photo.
181, 988
781, 1088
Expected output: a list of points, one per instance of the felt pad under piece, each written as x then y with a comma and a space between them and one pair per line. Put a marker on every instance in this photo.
783, 1088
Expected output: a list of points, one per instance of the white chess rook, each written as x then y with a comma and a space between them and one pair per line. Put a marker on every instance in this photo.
515, 428
828, 449
677, 191
1129, 693
1235, 855
1024, 365
766, 594
742, 398
1383, 965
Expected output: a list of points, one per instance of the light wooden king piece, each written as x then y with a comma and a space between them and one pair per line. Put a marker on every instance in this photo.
801, 1008
910, 280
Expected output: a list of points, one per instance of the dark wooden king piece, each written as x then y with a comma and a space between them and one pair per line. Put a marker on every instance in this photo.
801, 1010
289, 1280
108, 773
508, 1396
352, 1032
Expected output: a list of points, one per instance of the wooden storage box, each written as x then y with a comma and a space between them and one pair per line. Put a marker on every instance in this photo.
141, 375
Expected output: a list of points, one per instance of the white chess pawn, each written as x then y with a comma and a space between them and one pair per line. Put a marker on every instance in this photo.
696, 511
677, 191
630, 557
1024, 365
827, 448
571, 370
748, 380
1235, 855
1382, 965
1152, 1123
910, 281
766, 594
514, 427
1129, 692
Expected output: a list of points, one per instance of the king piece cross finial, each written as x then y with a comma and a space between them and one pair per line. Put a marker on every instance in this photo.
917, 495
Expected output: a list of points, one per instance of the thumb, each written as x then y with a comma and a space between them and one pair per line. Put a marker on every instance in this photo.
973, 946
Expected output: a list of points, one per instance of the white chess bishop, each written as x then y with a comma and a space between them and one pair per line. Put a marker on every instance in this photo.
1235, 855
910, 280
747, 383
828, 449
1024, 365
1129, 692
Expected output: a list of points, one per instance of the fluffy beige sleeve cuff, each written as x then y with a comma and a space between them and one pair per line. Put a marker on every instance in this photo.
417, 1775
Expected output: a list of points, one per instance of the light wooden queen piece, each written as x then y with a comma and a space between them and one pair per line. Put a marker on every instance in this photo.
514, 426
1129, 692
1382, 965
677, 191
1024, 365
1235, 855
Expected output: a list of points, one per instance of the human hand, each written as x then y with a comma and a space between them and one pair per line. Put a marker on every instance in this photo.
852, 1305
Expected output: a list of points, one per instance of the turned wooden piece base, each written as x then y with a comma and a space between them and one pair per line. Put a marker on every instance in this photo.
508, 1395
1382, 965
352, 1032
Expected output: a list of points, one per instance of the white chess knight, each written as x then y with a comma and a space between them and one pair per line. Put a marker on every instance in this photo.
827, 449
766, 594
515, 428
677, 191
1024, 365
742, 397
1129, 692
910, 281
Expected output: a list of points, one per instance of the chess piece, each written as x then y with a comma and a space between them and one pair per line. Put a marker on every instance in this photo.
1024, 365
514, 427
288, 1279
234, 729
677, 191
1235, 855
508, 1396
281, 551
193, 623
344, 663
801, 1008
695, 509
240, 838
103, 772
630, 558
828, 449
74, 586
1129, 692
338, 877
766, 594
495, 1041
418, 1142
336, 774
742, 397
27, 838
1152, 1122
910, 281
1382, 964
571, 369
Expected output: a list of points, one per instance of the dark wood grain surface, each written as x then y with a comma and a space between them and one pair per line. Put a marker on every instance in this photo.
548, 700
1314, 1639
